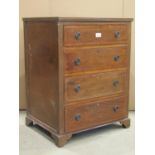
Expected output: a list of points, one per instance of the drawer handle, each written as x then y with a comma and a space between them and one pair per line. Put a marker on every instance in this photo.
115, 108
77, 61
77, 88
116, 58
77, 35
77, 117
115, 83
117, 34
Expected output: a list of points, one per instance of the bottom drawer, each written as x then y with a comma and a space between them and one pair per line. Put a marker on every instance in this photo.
79, 117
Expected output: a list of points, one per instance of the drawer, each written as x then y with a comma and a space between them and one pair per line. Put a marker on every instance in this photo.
78, 117
89, 59
94, 85
97, 34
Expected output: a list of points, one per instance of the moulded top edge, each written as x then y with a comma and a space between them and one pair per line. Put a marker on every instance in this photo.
78, 19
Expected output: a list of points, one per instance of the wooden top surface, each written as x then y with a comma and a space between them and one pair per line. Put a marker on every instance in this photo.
78, 19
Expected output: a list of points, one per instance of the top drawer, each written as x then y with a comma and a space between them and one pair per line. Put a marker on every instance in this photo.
96, 34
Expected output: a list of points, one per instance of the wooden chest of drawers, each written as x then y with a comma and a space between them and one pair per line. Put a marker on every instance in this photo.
77, 73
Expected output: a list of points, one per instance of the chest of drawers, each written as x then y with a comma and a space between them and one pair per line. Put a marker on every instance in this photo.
77, 73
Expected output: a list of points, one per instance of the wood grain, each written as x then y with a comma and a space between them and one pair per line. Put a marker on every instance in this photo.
77, 19
76, 84
42, 71
95, 58
88, 34
92, 114
94, 85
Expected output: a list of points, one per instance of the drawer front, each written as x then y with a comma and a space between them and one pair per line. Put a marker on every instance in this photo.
87, 59
78, 117
94, 85
110, 33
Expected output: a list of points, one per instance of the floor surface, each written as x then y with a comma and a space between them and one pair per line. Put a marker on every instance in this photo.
108, 140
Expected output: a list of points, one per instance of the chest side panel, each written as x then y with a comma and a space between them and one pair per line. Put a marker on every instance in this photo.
41, 53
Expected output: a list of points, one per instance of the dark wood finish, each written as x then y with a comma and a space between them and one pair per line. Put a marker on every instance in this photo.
42, 71
87, 115
95, 58
94, 85
28, 122
87, 34
78, 19
61, 140
61, 80
36, 121
76, 78
125, 123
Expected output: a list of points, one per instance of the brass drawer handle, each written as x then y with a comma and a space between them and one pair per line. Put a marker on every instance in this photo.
77, 35
77, 88
116, 58
115, 83
115, 108
77, 117
77, 61
117, 34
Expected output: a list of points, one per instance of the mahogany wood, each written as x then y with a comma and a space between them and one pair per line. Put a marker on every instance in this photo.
87, 115
88, 34
42, 71
95, 58
94, 85
125, 123
77, 73
28, 121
